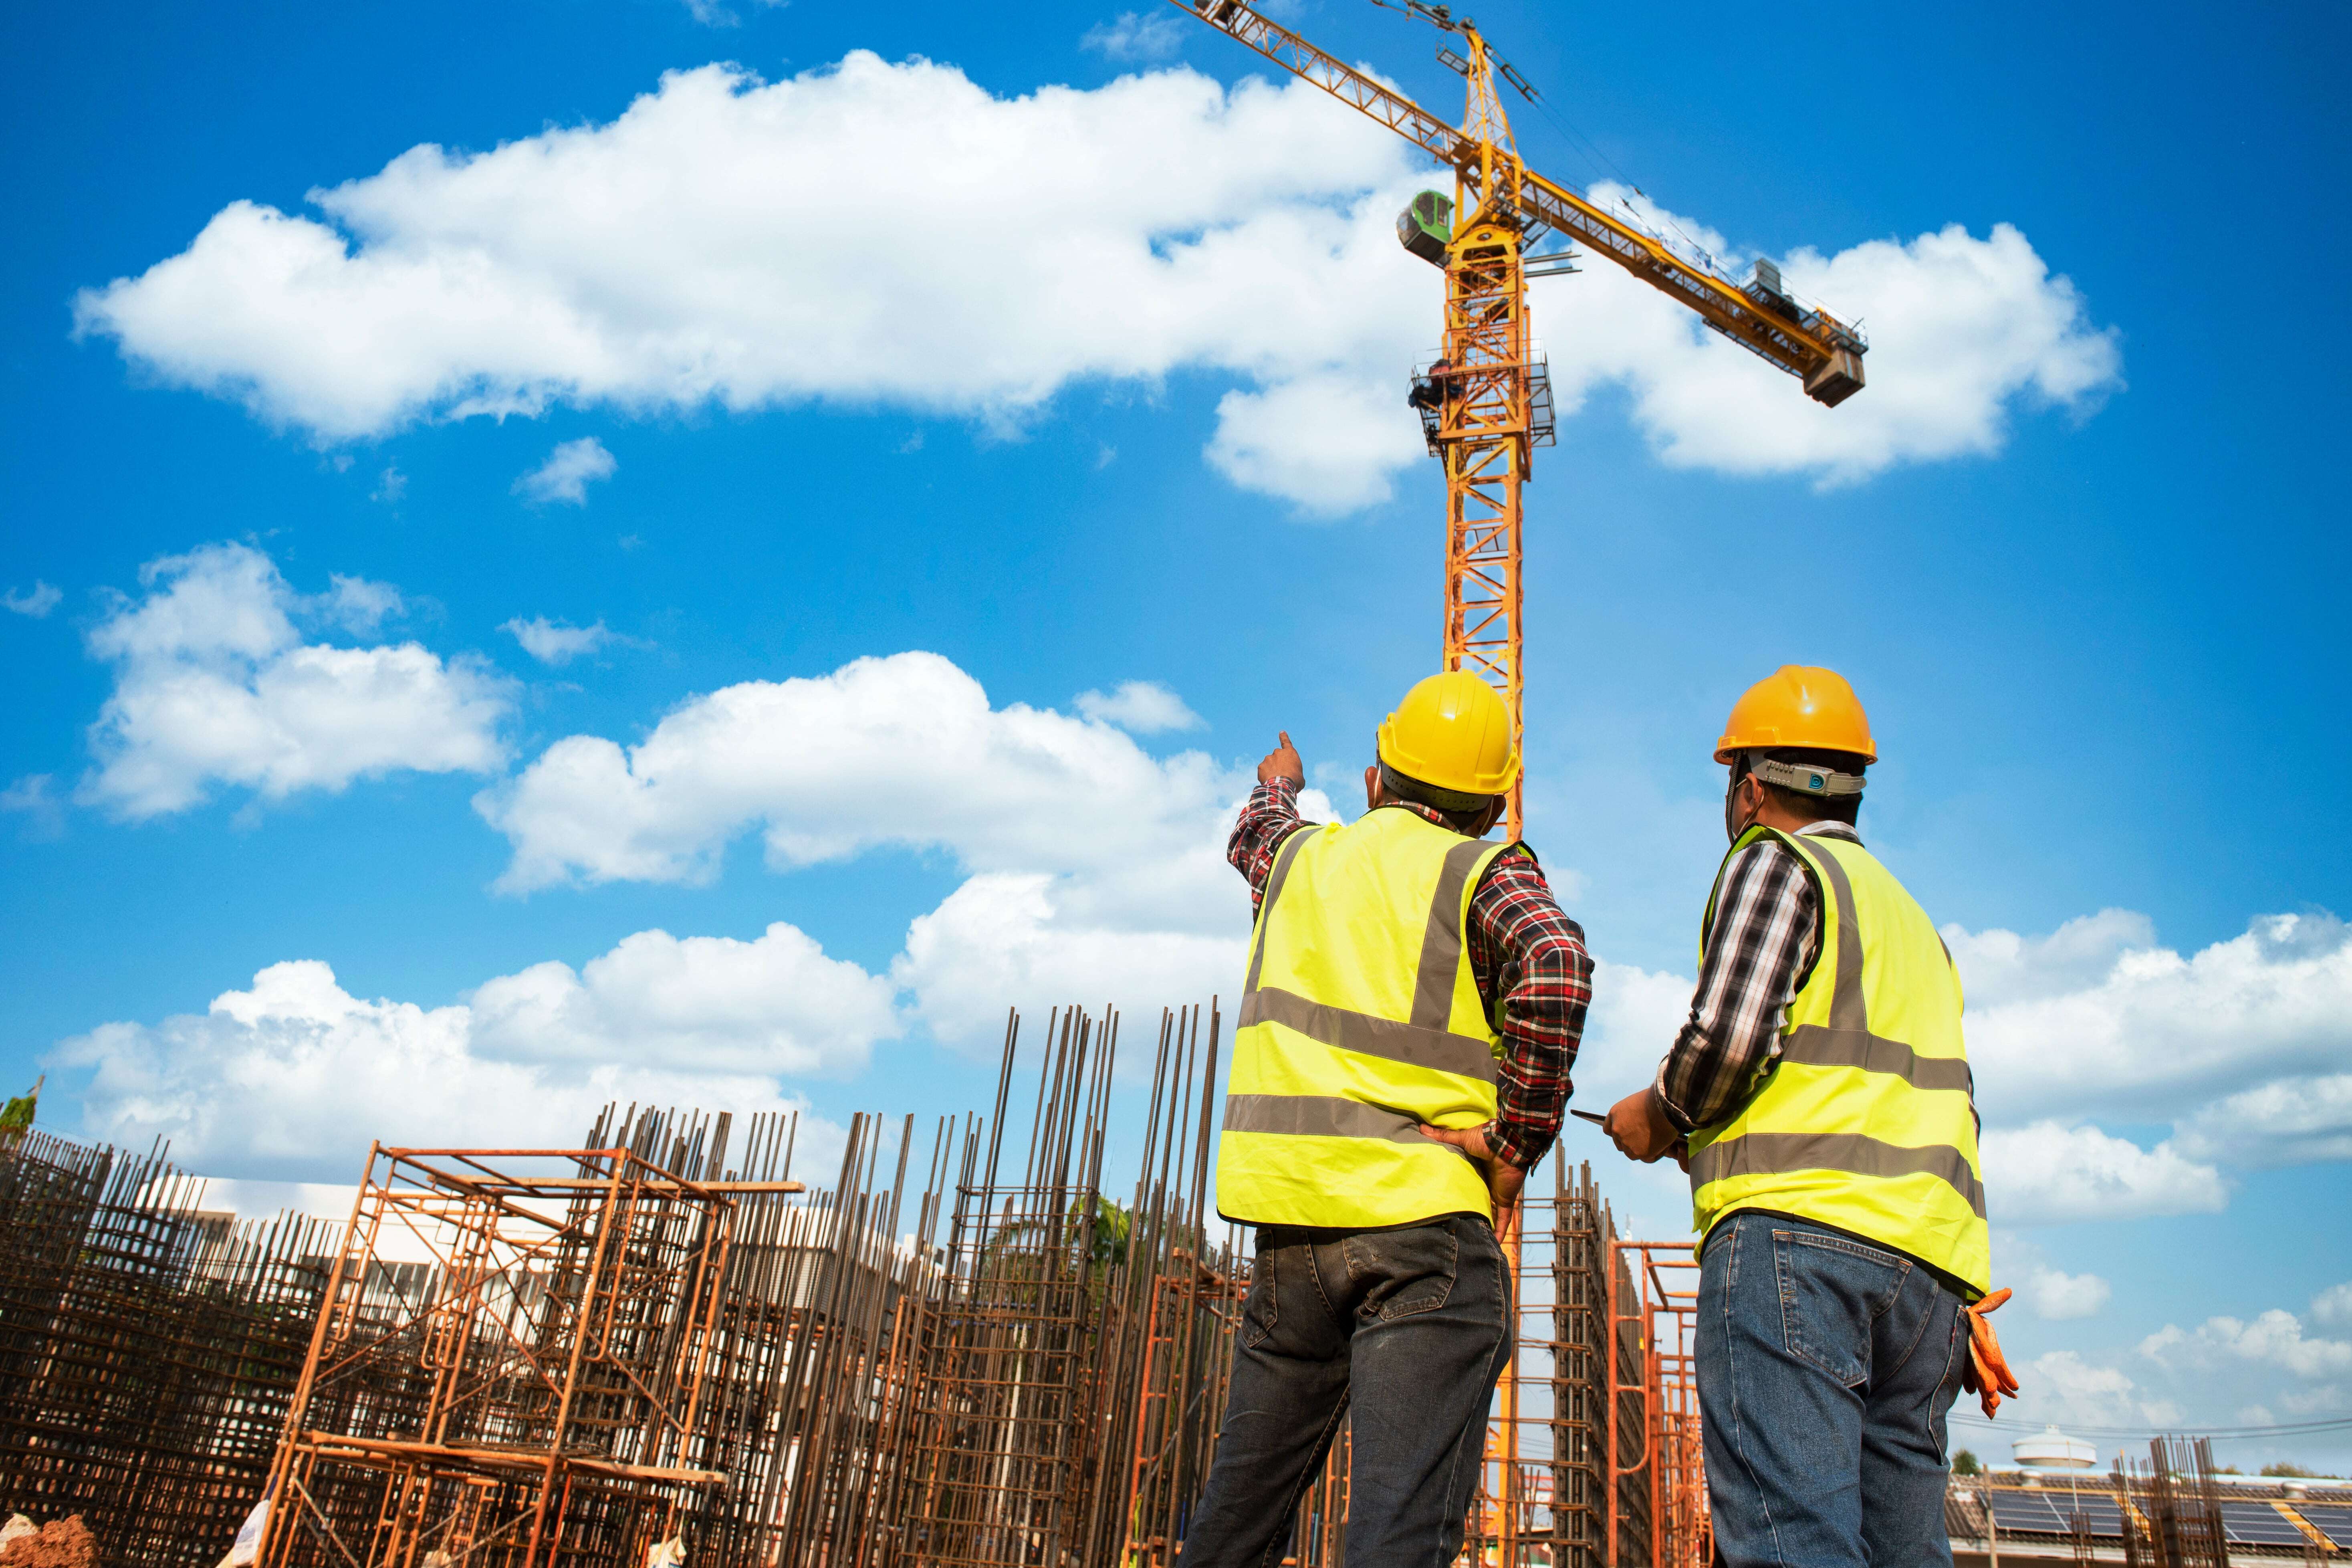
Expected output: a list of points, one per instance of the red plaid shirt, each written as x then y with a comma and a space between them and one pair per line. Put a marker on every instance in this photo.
1526, 954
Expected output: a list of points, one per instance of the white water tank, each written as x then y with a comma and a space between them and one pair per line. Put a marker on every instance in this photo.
2053, 1450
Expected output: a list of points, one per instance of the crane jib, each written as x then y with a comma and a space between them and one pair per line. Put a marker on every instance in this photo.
1823, 352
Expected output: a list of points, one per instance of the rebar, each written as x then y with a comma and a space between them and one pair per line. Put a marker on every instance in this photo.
147, 1348
967, 1345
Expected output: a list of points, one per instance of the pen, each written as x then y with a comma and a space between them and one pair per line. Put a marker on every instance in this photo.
1592, 1116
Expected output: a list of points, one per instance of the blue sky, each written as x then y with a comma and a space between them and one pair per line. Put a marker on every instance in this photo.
1023, 360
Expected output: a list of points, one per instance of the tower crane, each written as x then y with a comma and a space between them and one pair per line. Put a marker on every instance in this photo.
1485, 401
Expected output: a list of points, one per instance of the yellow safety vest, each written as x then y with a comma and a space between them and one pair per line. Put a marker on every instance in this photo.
1359, 1021
1867, 1121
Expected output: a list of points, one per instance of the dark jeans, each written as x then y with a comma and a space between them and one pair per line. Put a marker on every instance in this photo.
1825, 1369
1400, 1332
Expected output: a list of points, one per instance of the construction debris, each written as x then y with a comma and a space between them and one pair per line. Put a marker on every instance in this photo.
60, 1543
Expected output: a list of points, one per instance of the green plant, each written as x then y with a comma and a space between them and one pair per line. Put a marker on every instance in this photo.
1965, 1463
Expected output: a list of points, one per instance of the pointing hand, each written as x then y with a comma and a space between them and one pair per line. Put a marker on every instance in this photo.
1282, 763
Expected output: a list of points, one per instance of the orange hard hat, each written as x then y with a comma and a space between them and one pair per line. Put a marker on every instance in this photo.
1798, 705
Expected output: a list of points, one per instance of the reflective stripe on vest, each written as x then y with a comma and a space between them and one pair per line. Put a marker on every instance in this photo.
1866, 1121
1359, 1021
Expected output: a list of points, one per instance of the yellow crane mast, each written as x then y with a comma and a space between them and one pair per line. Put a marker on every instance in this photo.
1485, 401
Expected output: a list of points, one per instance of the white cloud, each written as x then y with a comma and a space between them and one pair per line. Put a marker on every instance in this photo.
2001, 967
2096, 1022
1140, 706
555, 642
1332, 443
715, 14
1003, 938
356, 604
2274, 1338
1133, 37
568, 472
2334, 1305
667, 261
904, 750
35, 602
2062, 1388
214, 684
773, 1004
2099, 1020
293, 1078
1094, 872
2060, 1297
1961, 329
2049, 1173
2290, 1121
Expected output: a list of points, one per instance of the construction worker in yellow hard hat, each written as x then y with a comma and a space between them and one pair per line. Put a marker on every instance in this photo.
1413, 1001
1818, 1094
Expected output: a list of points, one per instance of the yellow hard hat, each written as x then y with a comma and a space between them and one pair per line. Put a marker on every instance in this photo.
1798, 705
1453, 731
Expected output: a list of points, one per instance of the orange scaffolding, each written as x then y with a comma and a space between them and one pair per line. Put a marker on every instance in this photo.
1593, 1457
1653, 1412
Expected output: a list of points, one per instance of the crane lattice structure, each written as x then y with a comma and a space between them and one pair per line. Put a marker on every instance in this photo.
1485, 401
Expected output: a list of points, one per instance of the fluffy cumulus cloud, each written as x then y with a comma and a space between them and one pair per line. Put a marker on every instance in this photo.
1961, 329
2118, 1077
2274, 1338
2066, 1388
1094, 870
568, 472
2240, 1047
2048, 1173
2059, 1296
215, 683
776, 1003
681, 255
287, 1078
2334, 1305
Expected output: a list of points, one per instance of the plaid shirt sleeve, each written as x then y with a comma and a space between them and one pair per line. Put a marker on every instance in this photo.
1767, 934
1536, 979
1264, 822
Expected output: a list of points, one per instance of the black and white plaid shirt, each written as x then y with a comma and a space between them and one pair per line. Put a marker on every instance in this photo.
1768, 931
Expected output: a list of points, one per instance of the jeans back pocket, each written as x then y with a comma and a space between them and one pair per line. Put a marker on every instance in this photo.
1396, 1273
1833, 1293
1258, 1307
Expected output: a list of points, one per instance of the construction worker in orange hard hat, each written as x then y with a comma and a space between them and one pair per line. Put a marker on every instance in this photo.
1818, 1094
1413, 1001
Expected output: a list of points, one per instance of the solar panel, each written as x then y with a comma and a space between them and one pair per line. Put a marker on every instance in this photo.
2100, 1509
2259, 1524
2026, 1510
2333, 1520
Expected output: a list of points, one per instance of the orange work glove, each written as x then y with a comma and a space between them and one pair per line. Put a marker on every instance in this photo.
1987, 1376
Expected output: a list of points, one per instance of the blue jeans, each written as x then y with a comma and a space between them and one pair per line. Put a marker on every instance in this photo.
1825, 1369
1400, 1332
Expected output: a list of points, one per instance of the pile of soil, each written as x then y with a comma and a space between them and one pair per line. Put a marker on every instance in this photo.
60, 1543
